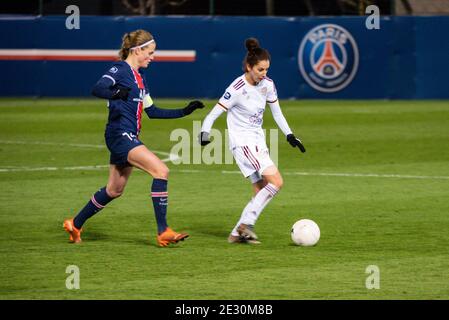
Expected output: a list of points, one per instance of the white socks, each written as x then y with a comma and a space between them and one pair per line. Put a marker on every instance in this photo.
255, 206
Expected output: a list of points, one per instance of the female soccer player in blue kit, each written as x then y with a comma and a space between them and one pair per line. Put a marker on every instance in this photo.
128, 96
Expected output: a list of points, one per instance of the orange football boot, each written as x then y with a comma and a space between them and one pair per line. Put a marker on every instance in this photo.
170, 236
75, 234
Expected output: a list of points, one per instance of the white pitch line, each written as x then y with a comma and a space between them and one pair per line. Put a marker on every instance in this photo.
323, 174
367, 175
24, 169
362, 175
188, 171
171, 156
79, 145
27, 169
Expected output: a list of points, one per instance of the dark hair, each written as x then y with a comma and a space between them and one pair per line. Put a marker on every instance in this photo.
133, 39
255, 53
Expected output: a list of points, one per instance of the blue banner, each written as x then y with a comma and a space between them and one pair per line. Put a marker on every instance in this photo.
313, 58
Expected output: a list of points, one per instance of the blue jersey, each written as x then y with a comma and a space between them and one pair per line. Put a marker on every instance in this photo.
126, 115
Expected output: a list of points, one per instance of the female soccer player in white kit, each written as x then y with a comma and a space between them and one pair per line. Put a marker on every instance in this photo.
244, 101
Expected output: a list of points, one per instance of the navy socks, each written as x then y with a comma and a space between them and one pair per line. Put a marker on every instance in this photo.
159, 195
98, 201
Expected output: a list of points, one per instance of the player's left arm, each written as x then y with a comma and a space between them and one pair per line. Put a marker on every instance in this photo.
278, 116
155, 112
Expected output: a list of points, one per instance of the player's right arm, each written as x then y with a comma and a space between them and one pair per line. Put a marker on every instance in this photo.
207, 124
224, 104
107, 86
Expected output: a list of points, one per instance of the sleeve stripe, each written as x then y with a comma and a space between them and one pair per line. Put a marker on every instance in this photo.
272, 101
226, 109
109, 77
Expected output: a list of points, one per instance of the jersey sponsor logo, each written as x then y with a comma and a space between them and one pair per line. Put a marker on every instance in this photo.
113, 70
328, 58
257, 118
141, 96
227, 95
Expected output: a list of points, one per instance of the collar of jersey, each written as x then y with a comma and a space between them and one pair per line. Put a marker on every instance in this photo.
251, 85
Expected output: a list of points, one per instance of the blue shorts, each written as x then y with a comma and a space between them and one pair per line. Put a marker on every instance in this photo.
119, 144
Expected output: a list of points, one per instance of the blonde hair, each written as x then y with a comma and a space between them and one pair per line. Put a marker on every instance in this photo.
133, 39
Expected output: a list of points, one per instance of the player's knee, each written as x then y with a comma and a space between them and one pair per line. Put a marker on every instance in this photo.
278, 183
162, 173
115, 192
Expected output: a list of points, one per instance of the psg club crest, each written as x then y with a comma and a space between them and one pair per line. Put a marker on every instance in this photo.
328, 58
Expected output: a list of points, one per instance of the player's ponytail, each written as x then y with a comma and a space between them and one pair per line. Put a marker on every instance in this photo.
254, 53
251, 44
133, 39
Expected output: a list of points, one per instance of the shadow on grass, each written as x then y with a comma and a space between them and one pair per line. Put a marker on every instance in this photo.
93, 236
210, 230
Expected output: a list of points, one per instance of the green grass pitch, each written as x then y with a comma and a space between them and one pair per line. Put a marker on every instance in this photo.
375, 178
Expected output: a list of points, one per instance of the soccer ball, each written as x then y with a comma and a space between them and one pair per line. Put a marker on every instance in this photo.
305, 232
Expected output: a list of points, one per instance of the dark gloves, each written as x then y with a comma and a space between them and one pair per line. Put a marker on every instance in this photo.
120, 93
204, 138
192, 106
295, 142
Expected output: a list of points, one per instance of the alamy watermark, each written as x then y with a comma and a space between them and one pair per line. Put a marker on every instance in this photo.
73, 280
373, 20
188, 150
373, 280
73, 20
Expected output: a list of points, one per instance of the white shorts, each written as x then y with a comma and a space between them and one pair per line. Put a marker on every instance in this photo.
252, 159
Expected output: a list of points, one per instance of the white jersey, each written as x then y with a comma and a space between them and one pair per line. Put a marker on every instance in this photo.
245, 105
